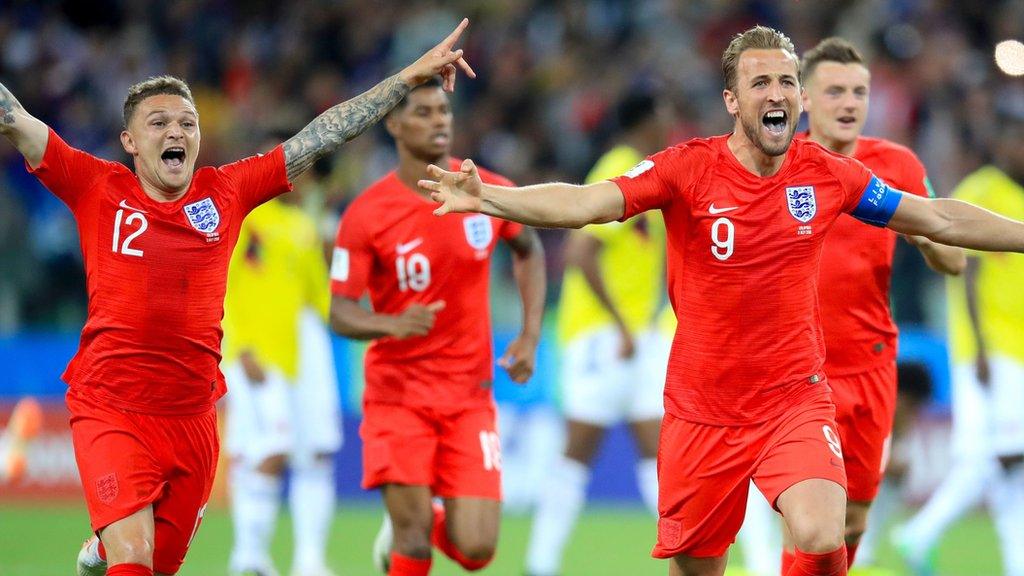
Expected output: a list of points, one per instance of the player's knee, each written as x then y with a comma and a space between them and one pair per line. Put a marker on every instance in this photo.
273, 465
856, 522
134, 549
477, 552
817, 536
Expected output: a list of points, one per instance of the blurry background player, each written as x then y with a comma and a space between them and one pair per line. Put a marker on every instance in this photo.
914, 391
613, 352
986, 333
429, 424
283, 407
855, 275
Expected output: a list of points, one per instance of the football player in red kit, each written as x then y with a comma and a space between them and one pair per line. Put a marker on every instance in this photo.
156, 244
746, 213
429, 425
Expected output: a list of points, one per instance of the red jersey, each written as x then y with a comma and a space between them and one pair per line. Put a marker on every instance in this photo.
155, 274
856, 269
743, 254
390, 244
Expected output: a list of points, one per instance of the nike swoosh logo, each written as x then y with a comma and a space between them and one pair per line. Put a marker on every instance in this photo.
408, 246
714, 210
124, 204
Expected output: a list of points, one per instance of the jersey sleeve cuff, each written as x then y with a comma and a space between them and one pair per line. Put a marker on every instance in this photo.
877, 203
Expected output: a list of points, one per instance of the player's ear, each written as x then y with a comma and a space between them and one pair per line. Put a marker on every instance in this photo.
391, 124
805, 102
128, 143
732, 104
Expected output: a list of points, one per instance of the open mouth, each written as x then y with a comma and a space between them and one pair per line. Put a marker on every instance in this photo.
775, 121
173, 157
847, 121
440, 139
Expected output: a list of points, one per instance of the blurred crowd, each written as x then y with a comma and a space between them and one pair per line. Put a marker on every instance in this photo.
550, 73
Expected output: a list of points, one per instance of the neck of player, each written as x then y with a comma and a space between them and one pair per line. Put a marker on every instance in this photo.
158, 193
413, 168
846, 148
753, 158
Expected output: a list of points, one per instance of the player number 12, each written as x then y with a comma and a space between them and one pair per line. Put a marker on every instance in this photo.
126, 247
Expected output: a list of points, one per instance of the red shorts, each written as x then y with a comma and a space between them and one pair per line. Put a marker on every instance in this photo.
127, 461
455, 452
704, 473
865, 404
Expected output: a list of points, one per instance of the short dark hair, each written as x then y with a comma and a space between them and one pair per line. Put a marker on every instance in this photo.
634, 109
154, 86
834, 49
756, 38
434, 82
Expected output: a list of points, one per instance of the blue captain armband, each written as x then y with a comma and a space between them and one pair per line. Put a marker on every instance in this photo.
878, 203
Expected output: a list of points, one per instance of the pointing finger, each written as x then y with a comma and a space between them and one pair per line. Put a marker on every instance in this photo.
436, 306
454, 36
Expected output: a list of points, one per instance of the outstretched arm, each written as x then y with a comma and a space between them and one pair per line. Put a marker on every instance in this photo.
26, 132
957, 223
555, 205
939, 257
351, 118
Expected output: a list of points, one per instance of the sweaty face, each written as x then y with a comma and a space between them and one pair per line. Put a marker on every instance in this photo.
766, 100
163, 138
424, 125
836, 100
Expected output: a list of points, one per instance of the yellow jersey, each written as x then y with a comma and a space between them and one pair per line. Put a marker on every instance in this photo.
1000, 275
277, 270
631, 260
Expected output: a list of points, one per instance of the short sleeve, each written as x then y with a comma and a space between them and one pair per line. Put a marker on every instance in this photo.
259, 178
68, 172
352, 258
657, 180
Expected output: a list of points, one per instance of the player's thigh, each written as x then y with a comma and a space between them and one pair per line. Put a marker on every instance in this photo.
582, 440
972, 414
472, 523
179, 511
683, 565
865, 405
130, 539
468, 460
803, 460
410, 509
316, 420
399, 445
259, 423
596, 383
699, 513
1007, 401
120, 471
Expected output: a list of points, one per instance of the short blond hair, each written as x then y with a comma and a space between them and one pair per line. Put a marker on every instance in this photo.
756, 38
151, 87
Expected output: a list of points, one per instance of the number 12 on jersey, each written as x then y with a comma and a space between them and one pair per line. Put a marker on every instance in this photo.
126, 247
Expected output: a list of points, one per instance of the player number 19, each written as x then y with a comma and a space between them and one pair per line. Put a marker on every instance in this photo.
413, 272
126, 246
722, 247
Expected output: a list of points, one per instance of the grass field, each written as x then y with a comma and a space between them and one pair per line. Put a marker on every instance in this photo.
43, 541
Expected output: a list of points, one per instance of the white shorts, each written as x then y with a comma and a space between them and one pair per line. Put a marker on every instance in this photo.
602, 389
300, 419
989, 421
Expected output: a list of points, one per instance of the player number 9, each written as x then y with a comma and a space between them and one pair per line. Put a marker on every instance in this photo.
722, 247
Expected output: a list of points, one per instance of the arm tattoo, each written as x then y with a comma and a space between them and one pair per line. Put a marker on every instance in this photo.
340, 124
8, 104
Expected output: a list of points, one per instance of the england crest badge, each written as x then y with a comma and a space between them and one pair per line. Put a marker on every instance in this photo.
479, 232
801, 202
203, 215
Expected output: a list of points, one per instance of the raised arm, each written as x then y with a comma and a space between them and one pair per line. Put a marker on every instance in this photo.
555, 205
957, 223
26, 132
351, 118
